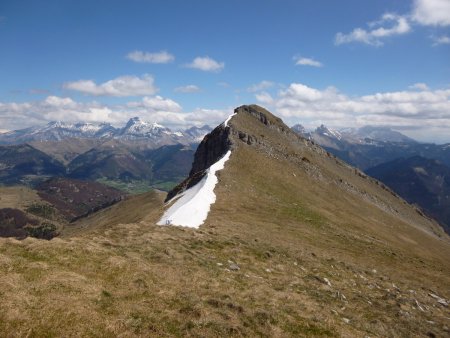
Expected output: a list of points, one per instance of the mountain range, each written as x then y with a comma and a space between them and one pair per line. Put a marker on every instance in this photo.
142, 155
135, 158
370, 146
135, 129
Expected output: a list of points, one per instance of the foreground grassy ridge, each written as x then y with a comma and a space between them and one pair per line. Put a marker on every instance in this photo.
287, 251
141, 280
148, 287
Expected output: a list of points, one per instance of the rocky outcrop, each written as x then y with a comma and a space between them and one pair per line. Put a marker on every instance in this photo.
213, 147
263, 116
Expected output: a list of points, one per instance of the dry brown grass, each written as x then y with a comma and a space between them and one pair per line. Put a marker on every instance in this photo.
17, 197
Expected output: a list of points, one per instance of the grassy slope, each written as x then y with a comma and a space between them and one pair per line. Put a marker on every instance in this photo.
286, 229
28, 201
66, 150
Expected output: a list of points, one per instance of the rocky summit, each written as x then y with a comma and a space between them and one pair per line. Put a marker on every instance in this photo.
296, 243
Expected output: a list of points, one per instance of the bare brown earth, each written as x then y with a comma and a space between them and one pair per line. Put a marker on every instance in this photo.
297, 244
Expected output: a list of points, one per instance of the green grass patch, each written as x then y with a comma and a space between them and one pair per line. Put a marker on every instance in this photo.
42, 210
301, 214
133, 187
165, 185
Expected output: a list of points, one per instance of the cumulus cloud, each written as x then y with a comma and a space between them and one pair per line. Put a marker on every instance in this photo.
188, 89
206, 64
146, 57
56, 101
397, 25
410, 109
156, 103
127, 85
419, 86
264, 98
431, 12
301, 61
260, 86
150, 108
20, 115
423, 12
440, 40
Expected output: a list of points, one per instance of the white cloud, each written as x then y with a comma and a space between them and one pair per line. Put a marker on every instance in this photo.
150, 108
301, 61
188, 89
423, 12
440, 40
56, 101
206, 64
419, 86
260, 86
127, 85
399, 26
156, 103
146, 57
20, 115
264, 98
431, 12
410, 109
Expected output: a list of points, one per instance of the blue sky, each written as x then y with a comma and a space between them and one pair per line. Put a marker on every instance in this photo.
342, 63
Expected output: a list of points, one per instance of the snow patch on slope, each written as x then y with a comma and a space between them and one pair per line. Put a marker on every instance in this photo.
192, 206
225, 123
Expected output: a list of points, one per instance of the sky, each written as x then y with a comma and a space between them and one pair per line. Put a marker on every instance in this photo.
346, 63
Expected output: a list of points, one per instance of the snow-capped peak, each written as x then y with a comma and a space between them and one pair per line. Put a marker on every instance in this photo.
135, 128
156, 125
197, 133
323, 130
299, 129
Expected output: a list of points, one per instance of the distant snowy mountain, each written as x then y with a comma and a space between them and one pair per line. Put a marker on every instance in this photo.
57, 131
135, 129
365, 135
382, 134
370, 146
325, 131
299, 129
197, 133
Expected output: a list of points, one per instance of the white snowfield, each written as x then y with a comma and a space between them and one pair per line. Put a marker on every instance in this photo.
225, 123
191, 208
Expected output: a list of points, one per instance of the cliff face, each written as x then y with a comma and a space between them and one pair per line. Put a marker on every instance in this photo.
213, 147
